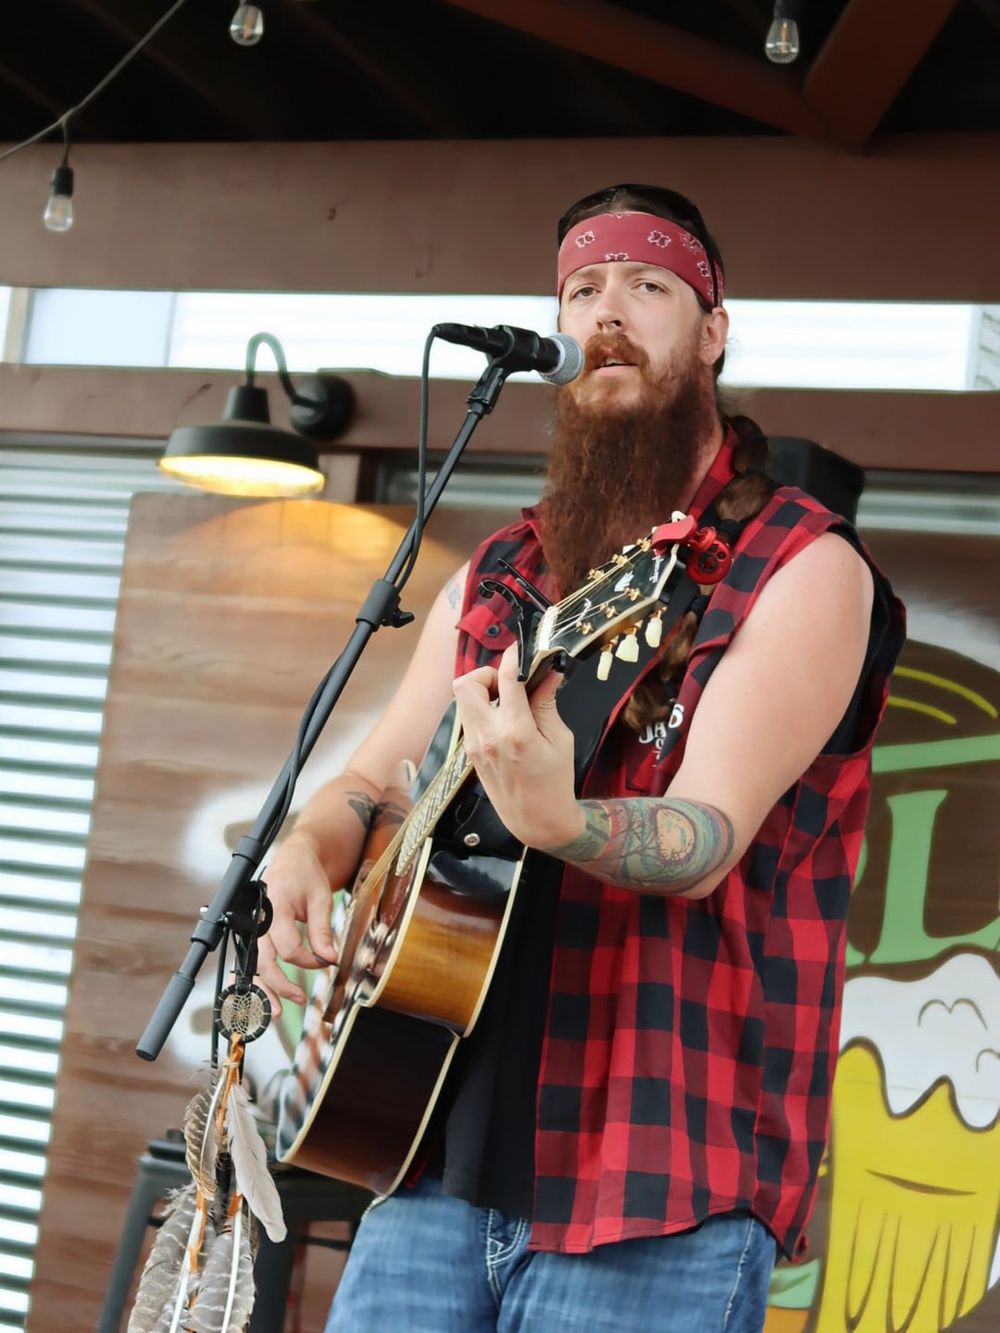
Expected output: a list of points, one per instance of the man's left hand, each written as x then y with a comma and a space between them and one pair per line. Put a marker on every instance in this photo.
522, 752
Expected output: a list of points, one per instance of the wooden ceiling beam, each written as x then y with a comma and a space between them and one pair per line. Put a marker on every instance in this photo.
753, 17
320, 27
23, 87
665, 55
51, 109
238, 104
866, 61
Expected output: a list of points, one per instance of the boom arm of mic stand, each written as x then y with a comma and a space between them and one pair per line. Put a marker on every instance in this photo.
381, 607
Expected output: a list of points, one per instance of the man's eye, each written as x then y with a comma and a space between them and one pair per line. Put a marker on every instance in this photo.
581, 291
649, 285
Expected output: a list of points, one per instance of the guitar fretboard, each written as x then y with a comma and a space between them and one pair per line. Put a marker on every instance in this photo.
440, 792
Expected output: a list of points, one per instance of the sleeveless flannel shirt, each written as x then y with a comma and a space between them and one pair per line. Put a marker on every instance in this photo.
690, 1045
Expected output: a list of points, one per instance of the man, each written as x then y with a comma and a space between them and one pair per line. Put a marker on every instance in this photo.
636, 1122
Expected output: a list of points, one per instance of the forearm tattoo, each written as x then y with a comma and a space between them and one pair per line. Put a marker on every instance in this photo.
652, 844
389, 814
362, 805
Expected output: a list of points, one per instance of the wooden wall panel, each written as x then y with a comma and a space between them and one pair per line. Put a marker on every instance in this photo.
794, 218
229, 614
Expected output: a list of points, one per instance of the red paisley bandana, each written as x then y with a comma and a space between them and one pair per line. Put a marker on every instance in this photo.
640, 237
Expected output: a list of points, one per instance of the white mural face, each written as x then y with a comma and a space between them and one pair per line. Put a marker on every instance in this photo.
944, 1029
209, 839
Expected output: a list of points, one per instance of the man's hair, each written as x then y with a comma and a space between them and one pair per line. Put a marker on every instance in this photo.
662, 203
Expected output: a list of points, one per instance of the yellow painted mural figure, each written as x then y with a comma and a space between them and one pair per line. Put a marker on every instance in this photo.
907, 1232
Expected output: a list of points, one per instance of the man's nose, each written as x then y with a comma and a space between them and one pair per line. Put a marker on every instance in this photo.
609, 314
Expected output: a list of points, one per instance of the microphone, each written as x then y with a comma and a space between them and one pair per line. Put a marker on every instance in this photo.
558, 359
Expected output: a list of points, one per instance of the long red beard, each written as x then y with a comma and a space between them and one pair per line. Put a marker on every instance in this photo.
613, 472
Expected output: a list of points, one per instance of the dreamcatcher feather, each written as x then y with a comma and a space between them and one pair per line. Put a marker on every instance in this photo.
199, 1275
249, 1155
225, 1298
201, 1136
166, 1268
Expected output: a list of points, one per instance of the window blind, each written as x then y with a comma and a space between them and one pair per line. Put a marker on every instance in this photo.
63, 518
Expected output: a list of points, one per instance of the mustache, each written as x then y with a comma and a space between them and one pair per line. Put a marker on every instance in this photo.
616, 345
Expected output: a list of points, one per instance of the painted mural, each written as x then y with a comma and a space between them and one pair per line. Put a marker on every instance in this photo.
907, 1227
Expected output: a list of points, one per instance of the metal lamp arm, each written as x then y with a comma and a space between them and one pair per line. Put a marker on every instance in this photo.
269, 340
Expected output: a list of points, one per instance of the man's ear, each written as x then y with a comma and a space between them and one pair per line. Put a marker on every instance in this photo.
714, 332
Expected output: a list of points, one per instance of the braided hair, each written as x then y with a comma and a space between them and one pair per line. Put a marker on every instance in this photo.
741, 500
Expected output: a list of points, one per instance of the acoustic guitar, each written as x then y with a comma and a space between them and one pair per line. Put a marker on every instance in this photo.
430, 904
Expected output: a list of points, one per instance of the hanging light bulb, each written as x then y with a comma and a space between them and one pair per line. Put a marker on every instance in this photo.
247, 26
58, 215
782, 44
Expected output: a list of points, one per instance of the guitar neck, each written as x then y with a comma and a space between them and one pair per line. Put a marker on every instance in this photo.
420, 822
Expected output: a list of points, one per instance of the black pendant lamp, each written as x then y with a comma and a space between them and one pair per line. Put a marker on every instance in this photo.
244, 454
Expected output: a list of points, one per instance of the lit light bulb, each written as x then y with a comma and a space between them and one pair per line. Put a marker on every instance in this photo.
247, 26
782, 45
58, 215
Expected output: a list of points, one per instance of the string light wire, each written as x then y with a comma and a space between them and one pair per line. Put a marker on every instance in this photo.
64, 120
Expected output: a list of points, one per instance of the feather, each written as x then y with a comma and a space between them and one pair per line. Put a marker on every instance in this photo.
253, 1179
201, 1135
198, 1236
226, 1295
166, 1270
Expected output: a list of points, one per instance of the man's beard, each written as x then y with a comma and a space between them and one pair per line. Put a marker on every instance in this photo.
614, 471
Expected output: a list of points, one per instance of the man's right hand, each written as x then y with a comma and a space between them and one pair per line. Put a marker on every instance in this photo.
300, 891
322, 852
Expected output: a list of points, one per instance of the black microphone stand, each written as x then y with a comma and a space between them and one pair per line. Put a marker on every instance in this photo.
238, 904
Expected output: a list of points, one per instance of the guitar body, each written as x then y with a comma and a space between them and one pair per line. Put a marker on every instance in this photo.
417, 953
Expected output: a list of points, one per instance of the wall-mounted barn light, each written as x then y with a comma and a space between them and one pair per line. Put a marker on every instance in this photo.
244, 454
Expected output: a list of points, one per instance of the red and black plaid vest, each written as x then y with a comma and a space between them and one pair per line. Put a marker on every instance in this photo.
690, 1045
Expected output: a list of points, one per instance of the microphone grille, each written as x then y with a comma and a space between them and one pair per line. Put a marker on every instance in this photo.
570, 363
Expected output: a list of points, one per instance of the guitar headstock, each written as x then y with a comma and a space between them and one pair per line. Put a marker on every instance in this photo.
612, 606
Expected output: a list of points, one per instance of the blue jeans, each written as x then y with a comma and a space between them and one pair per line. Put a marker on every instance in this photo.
427, 1263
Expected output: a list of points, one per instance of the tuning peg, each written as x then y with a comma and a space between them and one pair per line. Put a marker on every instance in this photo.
606, 660
654, 629
628, 647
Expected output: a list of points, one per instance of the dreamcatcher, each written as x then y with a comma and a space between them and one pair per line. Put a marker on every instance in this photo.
199, 1274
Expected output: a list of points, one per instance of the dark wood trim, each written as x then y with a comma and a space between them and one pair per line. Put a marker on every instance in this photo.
663, 54
866, 60
238, 102
951, 431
